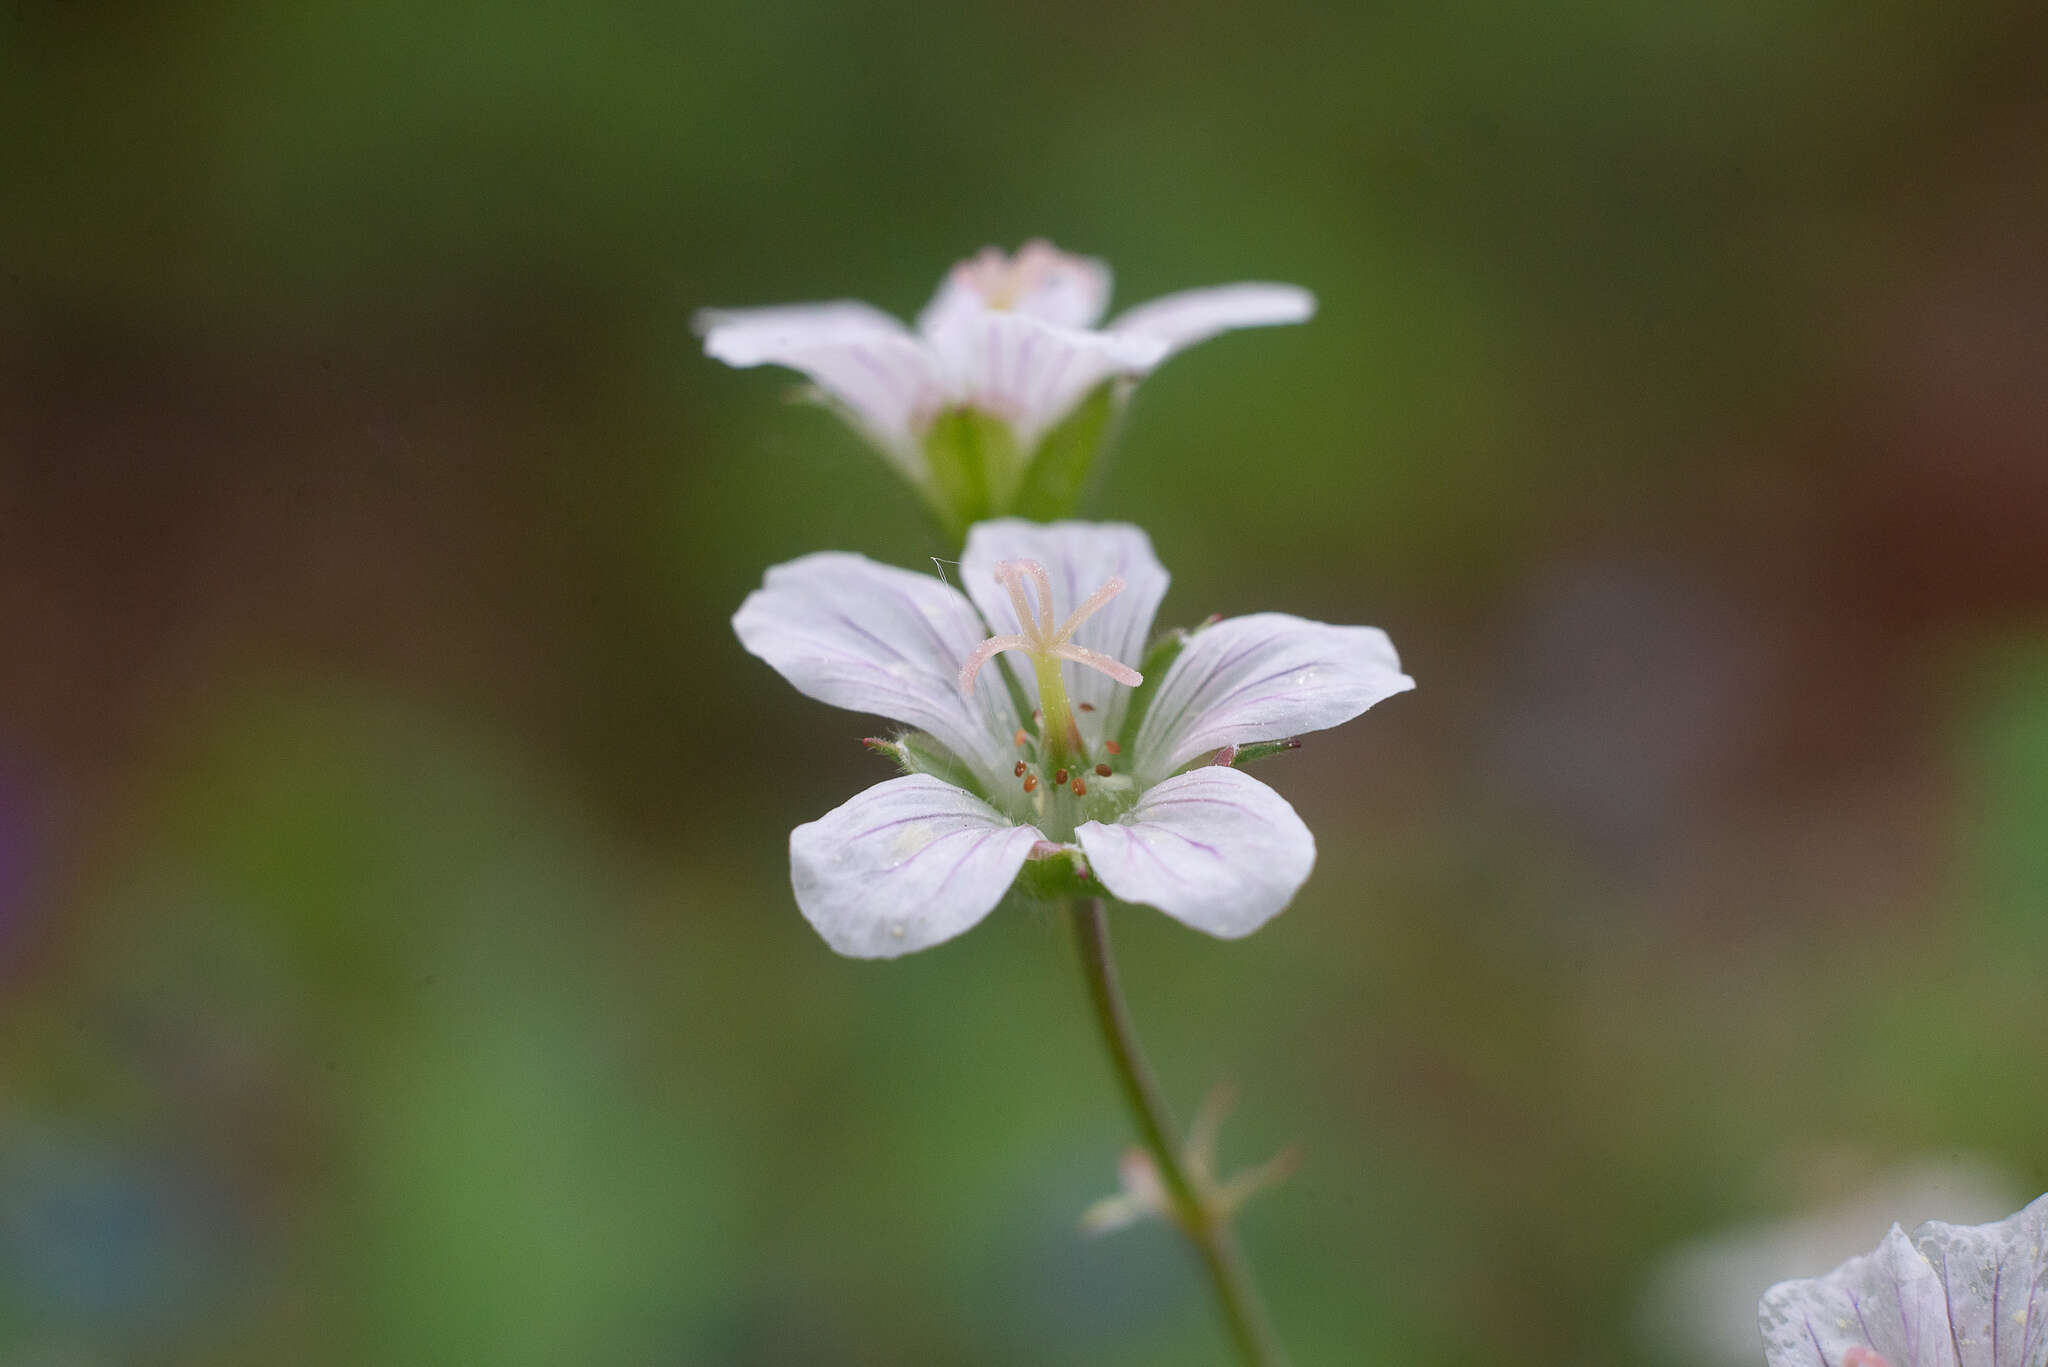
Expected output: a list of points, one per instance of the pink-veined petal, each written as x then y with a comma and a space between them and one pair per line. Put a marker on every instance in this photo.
903, 866
1266, 676
1213, 848
882, 374
873, 638
1178, 321
1029, 372
1996, 1280
1078, 557
1890, 1302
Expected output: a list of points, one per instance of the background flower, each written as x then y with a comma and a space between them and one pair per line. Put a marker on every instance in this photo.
1006, 351
1950, 1296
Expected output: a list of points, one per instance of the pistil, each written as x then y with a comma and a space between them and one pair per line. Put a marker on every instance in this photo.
1059, 736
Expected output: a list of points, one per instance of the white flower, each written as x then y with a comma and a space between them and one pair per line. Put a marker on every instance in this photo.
1056, 762
1950, 1296
1013, 337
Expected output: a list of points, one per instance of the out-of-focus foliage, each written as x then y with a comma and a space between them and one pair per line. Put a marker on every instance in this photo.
399, 965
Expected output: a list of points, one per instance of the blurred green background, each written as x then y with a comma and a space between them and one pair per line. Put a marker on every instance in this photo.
397, 962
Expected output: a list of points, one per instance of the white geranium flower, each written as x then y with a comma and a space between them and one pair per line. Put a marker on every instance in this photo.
1015, 339
1068, 761
1950, 1296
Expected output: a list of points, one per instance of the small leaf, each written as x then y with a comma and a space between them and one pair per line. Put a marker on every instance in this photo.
1052, 483
974, 466
1242, 755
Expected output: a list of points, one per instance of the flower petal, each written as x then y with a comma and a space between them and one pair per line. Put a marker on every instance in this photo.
1215, 849
874, 638
1041, 282
903, 866
1029, 372
1996, 1278
1263, 677
1190, 316
883, 374
1890, 1302
1078, 556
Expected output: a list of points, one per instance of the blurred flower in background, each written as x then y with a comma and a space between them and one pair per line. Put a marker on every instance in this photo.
1949, 1296
1700, 1306
1004, 354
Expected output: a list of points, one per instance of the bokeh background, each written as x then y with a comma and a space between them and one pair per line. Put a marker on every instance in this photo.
397, 963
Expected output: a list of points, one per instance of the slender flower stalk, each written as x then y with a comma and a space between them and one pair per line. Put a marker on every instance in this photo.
1200, 1217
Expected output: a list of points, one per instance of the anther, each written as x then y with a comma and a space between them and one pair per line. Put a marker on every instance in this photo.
1080, 788
1059, 780
1022, 738
1112, 747
1085, 706
1021, 767
1030, 783
1102, 771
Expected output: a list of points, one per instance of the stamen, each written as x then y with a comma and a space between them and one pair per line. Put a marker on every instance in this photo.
1080, 788
1112, 747
1059, 780
1021, 767
1085, 706
1023, 738
1030, 783
1102, 771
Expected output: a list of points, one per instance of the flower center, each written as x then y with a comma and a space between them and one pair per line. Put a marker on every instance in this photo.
1059, 738
1001, 280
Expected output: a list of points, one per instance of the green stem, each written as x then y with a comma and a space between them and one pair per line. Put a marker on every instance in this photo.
1207, 1228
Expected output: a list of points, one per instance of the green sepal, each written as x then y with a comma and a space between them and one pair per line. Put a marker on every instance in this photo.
1055, 879
974, 462
1261, 749
1059, 468
917, 753
1159, 657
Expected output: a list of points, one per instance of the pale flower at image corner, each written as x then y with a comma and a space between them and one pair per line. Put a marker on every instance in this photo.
1018, 337
1698, 1306
1949, 1296
1092, 770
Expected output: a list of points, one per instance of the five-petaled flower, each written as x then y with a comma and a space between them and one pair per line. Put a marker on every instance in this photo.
1949, 1296
1013, 339
1075, 758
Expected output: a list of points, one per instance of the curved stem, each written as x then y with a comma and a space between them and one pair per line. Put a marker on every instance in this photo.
1207, 1228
